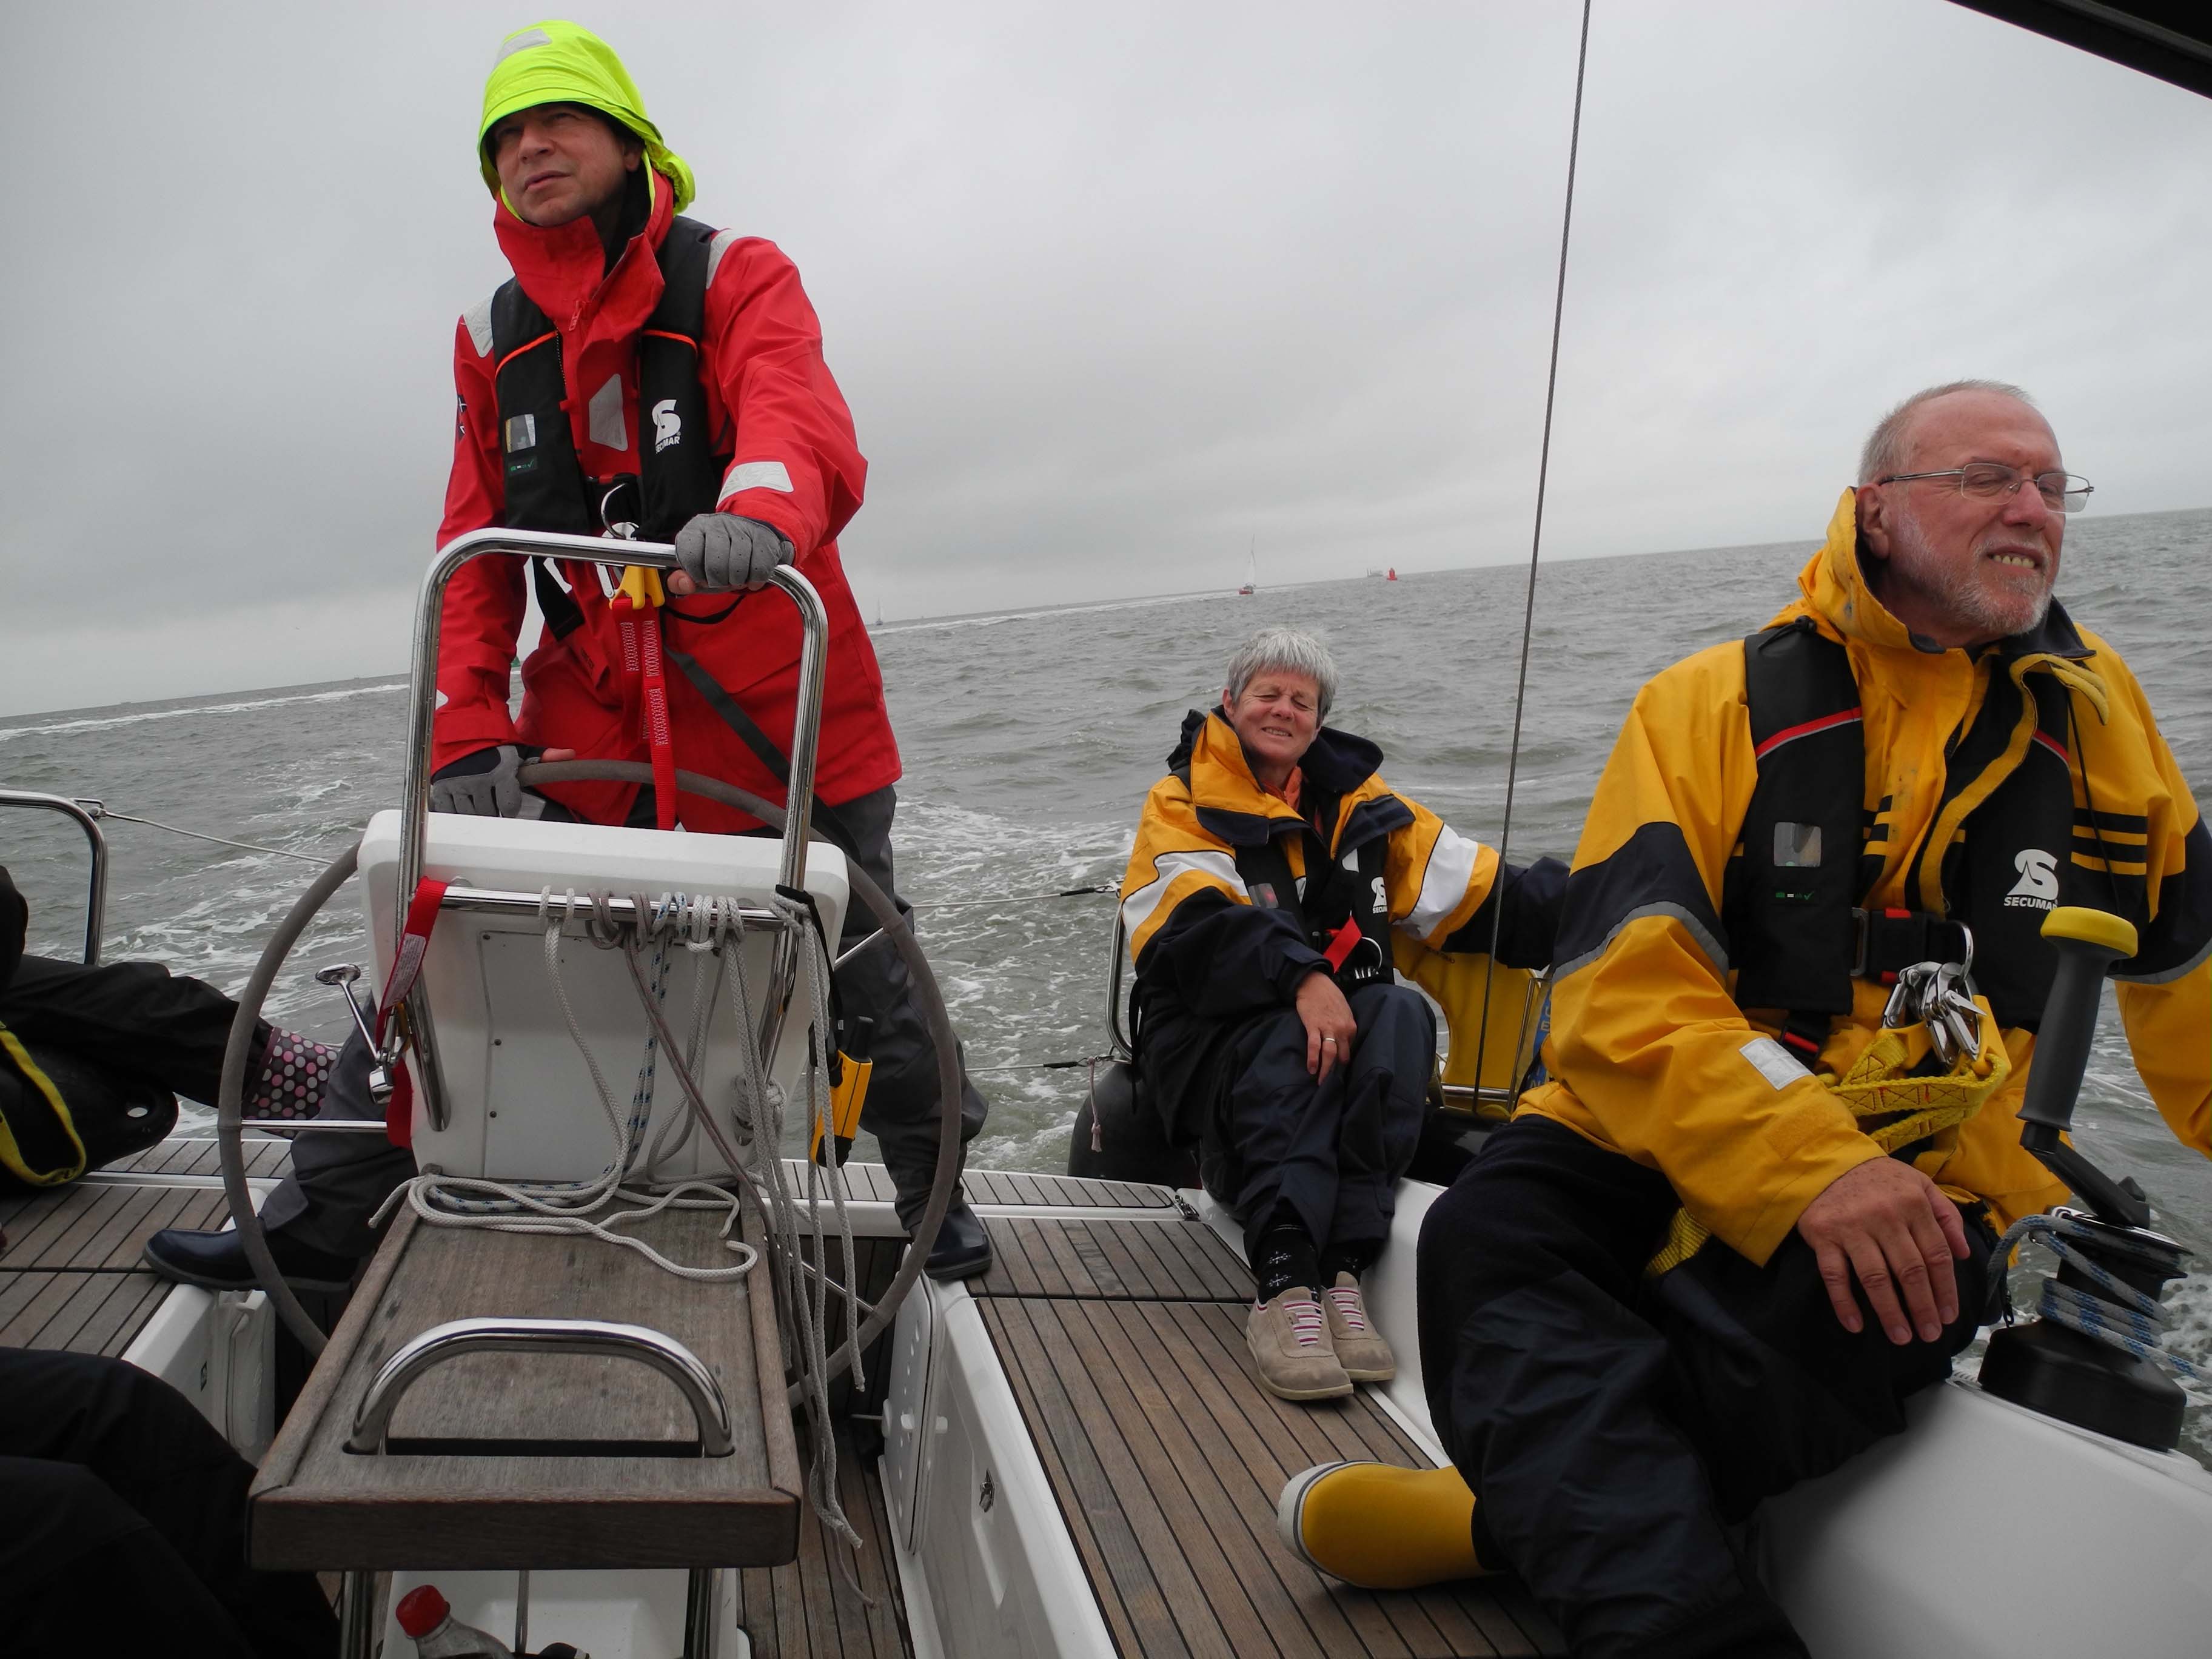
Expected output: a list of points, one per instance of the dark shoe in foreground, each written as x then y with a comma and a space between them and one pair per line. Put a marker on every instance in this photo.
1380, 1526
962, 1248
217, 1261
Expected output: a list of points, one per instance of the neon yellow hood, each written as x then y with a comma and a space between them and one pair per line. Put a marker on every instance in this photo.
558, 62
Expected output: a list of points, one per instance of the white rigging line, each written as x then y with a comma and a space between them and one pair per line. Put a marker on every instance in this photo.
1537, 540
100, 809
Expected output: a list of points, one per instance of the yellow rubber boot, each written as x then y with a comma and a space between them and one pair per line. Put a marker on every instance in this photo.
1379, 1527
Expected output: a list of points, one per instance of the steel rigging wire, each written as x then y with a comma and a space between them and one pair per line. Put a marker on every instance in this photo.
1536, 543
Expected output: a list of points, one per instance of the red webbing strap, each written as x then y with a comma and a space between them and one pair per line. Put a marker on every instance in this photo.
657, 734
641, 642
1341, 946
406, 968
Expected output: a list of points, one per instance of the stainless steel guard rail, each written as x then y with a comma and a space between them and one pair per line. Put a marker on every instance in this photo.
423, 705
372, 1422
83, 815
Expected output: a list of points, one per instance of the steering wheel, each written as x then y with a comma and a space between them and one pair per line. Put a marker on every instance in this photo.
230, 1095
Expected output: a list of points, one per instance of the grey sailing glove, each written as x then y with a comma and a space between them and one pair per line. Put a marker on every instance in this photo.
485, 784
721, 550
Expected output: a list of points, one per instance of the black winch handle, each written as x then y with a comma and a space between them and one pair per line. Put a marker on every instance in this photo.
2088, 943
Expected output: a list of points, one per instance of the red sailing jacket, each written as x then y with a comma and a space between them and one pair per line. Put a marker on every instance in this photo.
776, 410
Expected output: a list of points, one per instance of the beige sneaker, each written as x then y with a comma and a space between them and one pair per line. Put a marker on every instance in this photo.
1288, 1340
1360, 1349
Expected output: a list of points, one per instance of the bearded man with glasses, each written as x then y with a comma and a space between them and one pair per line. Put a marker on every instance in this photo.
1712, 1256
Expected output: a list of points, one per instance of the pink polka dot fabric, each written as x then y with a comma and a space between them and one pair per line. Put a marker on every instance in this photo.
293, 1074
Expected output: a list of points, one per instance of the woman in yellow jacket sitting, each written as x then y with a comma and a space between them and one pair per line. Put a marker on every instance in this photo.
1270, 868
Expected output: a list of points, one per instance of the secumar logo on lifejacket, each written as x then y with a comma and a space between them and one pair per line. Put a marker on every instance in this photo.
2038, 887
667, 425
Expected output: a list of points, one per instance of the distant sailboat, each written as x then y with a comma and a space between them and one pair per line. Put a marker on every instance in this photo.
1251, 577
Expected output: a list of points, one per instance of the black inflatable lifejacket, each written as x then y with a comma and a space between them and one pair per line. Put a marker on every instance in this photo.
679, 472
1798, 934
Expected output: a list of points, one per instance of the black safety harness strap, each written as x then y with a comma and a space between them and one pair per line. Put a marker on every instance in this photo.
718, 698
1797, 931
1790, 914
1797, 934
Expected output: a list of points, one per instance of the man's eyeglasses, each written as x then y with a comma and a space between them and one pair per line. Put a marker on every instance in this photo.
2062, 492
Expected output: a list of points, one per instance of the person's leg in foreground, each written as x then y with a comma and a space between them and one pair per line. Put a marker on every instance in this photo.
317, 1218
123, 1524
139, 1020
903, 1108
1307, 1155
1609, 1428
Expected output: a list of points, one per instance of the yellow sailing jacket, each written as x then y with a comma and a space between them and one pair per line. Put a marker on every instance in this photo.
1649, 1052
1231, 897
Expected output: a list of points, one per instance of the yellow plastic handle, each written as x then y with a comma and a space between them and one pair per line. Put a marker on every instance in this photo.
641, 585
2099, 927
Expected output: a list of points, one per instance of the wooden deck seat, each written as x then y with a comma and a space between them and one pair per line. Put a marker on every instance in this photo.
508, 1460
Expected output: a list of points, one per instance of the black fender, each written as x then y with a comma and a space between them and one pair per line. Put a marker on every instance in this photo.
1117, 1136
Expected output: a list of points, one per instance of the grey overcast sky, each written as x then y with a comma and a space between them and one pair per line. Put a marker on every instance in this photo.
1113, 291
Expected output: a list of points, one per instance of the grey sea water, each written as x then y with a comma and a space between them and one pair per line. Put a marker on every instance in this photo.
1028, 740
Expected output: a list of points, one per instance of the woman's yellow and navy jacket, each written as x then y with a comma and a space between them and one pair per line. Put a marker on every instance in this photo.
2044, 738
1232, 897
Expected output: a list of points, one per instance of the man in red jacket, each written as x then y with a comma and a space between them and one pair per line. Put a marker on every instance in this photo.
647, 370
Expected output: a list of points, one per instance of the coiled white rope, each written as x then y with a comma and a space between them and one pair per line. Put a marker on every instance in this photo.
575, 1206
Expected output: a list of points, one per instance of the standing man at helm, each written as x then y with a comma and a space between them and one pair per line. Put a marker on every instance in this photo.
647, 369
1746, 1219
648, 372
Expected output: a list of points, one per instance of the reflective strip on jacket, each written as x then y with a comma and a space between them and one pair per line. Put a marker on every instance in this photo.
795, 466
1649, 1054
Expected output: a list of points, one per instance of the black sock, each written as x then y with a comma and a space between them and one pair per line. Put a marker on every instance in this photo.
1353, 1259
1282, 1255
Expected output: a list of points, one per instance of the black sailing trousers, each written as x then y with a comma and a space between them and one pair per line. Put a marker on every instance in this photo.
123, 1525
1613, 1427
1332, 1150
135, 1019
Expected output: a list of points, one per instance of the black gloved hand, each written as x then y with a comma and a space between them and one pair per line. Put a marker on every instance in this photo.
484, 784
721, 550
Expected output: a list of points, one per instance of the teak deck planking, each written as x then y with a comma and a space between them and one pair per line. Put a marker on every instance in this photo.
1138, 1258
1123, 1341
866, 1182
806, 1610
1167, 1459
1124, 1344
70, 1276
